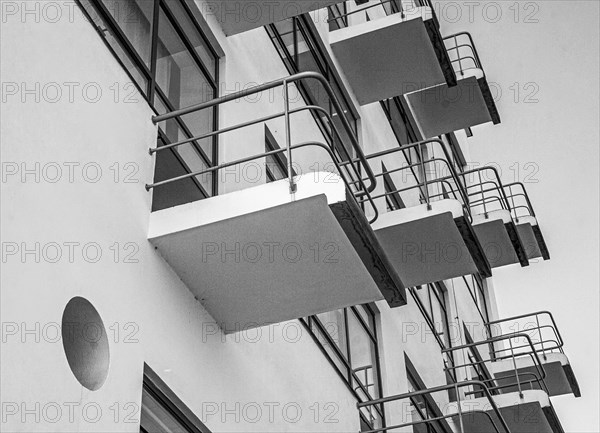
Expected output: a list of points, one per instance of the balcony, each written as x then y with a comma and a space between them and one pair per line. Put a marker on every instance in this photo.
521, 395
427, 232
238, 17
548, 346
429, 410
493, 218
291, 248
390, 47
441, 109
526, 222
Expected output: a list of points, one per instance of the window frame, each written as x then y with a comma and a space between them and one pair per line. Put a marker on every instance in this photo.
349, 376
149, 73
160, 391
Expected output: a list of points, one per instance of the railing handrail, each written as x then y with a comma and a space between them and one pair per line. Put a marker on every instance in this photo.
454, 174
277, 83
398, 3
455, 37
489, 342
455, 386
536, 314
524, 193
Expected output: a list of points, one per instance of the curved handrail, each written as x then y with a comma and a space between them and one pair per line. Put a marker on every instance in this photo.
455, 386
540, 375
471, 45
523, 194
558, 343
269, 153
277, 83
424, 183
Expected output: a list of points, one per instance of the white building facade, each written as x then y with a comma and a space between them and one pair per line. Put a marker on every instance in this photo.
247, 216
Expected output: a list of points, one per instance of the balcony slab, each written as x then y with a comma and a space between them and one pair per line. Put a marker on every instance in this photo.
442, 109
261, 256
391, 56
532, 238
499, 238
533, 413
427, 246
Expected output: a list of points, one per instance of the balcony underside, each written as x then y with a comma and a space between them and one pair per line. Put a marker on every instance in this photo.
442, 109
532, 414
240, 16
427, 246
391, 56
532, 238
261, 256
498, 236
560, 378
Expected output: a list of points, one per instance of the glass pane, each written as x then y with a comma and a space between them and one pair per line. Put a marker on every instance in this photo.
195, 38
335, 325
134, 18
362, 354
156, 419
106, 33
191, 153
181, 80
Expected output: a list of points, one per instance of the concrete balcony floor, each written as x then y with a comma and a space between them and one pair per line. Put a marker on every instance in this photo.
499, 238
442, 109
426, 246
531, 414
262, 256
391, 56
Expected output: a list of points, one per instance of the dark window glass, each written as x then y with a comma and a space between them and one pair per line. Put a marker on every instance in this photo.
300, 51
348, 338
162, 411
166, 54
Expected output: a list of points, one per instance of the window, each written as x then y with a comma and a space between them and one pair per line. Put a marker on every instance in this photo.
301, 50
348, 338
431, 300
162, 47
162, 411
475, 285
424, 406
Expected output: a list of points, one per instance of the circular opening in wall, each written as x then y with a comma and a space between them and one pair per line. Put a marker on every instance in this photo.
86, 343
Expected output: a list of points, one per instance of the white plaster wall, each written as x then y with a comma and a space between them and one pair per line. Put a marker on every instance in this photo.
145, 298
176, 337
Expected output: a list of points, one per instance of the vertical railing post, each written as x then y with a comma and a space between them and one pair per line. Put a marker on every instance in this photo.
537, 319
288, 137
460, 418
512, 352
485, 213
458, 55
425, 183
512, 199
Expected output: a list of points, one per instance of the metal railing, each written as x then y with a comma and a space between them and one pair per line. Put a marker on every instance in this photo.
395, 7
428, 171
520, 202
463, 53
475, 364
352, 174
539, 326
499, 423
